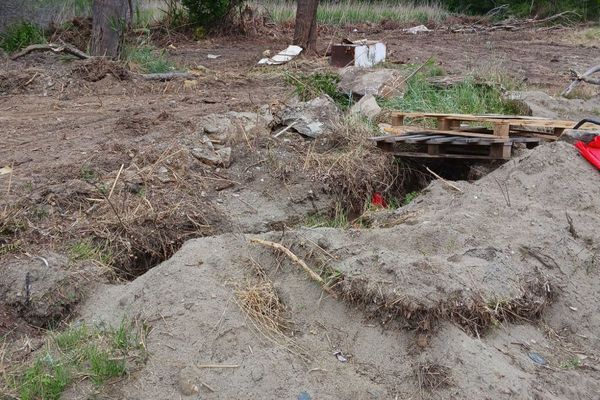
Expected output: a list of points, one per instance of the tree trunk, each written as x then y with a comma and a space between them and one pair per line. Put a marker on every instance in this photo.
305, 33
107, 27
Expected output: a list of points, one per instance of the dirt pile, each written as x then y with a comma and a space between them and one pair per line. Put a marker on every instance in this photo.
502, 273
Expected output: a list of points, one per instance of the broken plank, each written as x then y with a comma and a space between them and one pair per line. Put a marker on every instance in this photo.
404, 130
458, 156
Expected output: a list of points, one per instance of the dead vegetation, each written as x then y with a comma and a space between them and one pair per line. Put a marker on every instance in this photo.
431, 376
473, 313
351, 167
259, 300
97, 68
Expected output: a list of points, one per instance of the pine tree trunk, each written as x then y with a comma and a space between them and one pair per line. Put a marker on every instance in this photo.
305, 34
108, 27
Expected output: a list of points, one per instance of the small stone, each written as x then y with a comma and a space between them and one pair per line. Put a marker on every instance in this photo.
206, 155
257, 373
225, 154
164, 175
185, 381
366, 106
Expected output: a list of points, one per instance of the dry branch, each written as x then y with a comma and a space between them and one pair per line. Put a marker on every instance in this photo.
53, 47
450, 184
578, 78
313, 275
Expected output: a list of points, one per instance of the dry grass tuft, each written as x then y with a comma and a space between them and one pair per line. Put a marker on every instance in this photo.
96, 68
432, 376
259, 300
351, 166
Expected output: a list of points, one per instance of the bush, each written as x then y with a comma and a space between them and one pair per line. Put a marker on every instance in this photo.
21, 35
209, 13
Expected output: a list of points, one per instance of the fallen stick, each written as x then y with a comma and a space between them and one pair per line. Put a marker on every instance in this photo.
53, 47
313, 275
115, 182
453, 186
167, 76
218, 366
578, 78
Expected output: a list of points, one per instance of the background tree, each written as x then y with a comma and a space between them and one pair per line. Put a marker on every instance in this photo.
108, 27
305, 33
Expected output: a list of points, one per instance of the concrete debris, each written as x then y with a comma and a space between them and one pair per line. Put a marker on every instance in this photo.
311, 118
417, 29
361, 82
283, 56
222, 127
225, 155
361, 54
366, 106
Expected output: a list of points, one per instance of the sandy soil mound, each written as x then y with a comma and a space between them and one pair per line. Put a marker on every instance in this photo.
502, 254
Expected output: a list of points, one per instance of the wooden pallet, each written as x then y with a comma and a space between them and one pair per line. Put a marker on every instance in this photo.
428, 145
501, 125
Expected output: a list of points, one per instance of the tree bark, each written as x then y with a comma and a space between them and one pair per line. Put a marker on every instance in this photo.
305, 33
108, 27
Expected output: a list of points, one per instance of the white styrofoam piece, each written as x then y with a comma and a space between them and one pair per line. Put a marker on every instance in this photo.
283, 56
369, 54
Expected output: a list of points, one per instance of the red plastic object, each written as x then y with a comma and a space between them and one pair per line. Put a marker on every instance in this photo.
591, 151
378, 201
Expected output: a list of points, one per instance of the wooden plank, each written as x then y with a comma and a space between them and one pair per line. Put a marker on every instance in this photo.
403, 138
422, 139
444, 139
458, 156
501, 129
500, 151
512, 120
403, 130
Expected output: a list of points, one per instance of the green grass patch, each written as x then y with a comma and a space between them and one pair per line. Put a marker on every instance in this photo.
21, 35
337, 219
409, 197
467, 97
310, 86
86, 249
81, 352
359, 12
571, 363
147, 59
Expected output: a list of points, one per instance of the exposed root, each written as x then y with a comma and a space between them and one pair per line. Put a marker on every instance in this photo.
96, 68
432, 376
473, 314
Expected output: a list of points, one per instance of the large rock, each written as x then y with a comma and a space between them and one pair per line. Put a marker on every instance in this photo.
366, 106
543, 105
222, 127
311, 118
361, 82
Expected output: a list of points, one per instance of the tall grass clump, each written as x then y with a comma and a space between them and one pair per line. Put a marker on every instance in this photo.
21, 35
355, 11
467, 97
147, 59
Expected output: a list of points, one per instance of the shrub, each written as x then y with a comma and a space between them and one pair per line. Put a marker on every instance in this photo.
209, 13
21, 35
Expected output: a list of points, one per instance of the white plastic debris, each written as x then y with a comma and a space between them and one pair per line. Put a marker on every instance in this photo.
340, 356
417, 29
213, 56
282, 57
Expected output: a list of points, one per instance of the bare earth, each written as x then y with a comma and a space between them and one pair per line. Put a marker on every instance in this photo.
457, 289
